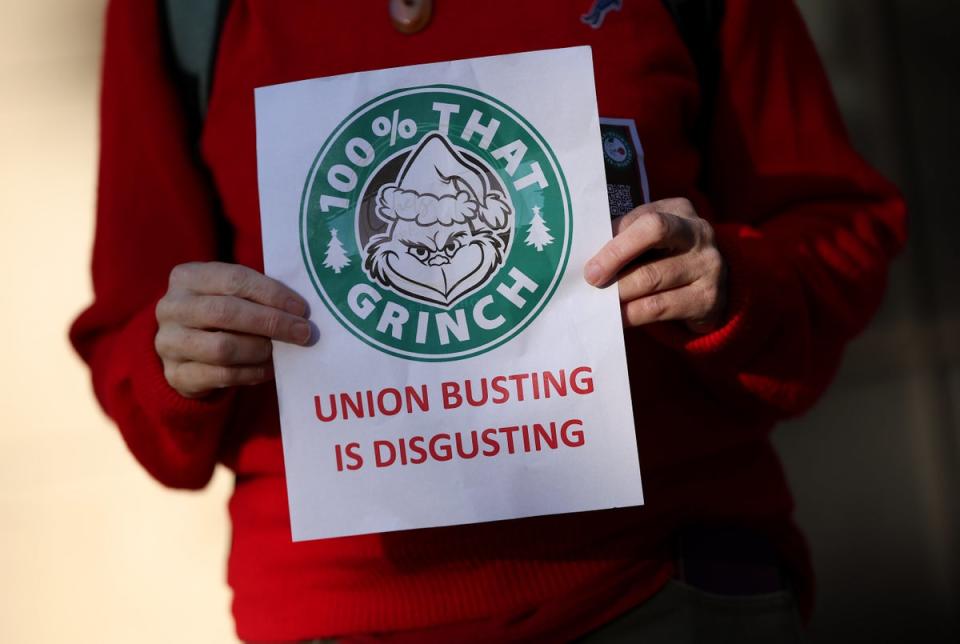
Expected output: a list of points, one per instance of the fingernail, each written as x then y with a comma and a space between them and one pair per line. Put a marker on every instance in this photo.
301, 332
296, 307
592, 272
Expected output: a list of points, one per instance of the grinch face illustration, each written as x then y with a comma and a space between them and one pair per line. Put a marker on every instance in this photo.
447, 227
435, 223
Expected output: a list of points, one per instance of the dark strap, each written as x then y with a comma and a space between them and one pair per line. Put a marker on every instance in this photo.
698, 22
193, 28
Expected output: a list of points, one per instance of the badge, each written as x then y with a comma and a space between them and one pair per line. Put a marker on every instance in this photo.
627, 185
599, 10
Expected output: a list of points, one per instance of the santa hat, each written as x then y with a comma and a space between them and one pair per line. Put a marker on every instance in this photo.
438, 185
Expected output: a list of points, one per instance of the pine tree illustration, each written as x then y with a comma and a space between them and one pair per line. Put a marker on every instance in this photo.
537, 232
336, 257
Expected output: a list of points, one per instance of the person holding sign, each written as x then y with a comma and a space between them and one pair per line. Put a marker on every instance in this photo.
762, 251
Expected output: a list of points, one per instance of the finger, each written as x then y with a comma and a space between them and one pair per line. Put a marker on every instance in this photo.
228, 313
196, 378
684, 303
647, 231
661, 275
217, 278
183, 344
679, 207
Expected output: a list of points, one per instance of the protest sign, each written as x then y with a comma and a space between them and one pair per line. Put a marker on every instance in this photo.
437, 219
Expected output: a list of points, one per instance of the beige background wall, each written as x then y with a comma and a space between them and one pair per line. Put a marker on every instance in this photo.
91, 550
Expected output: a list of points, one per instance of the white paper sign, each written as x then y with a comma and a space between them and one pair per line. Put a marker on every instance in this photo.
437, 219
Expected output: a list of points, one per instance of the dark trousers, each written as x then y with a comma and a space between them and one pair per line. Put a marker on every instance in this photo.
682, 614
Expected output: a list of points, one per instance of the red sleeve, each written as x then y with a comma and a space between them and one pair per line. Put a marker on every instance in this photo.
153, 212
806, 226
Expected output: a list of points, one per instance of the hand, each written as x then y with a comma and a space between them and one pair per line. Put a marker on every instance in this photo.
666, 265
215, 326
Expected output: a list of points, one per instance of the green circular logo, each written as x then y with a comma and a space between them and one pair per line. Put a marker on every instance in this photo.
435, 223
616, 149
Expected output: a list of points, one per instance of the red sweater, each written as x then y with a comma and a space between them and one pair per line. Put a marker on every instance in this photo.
806, 227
